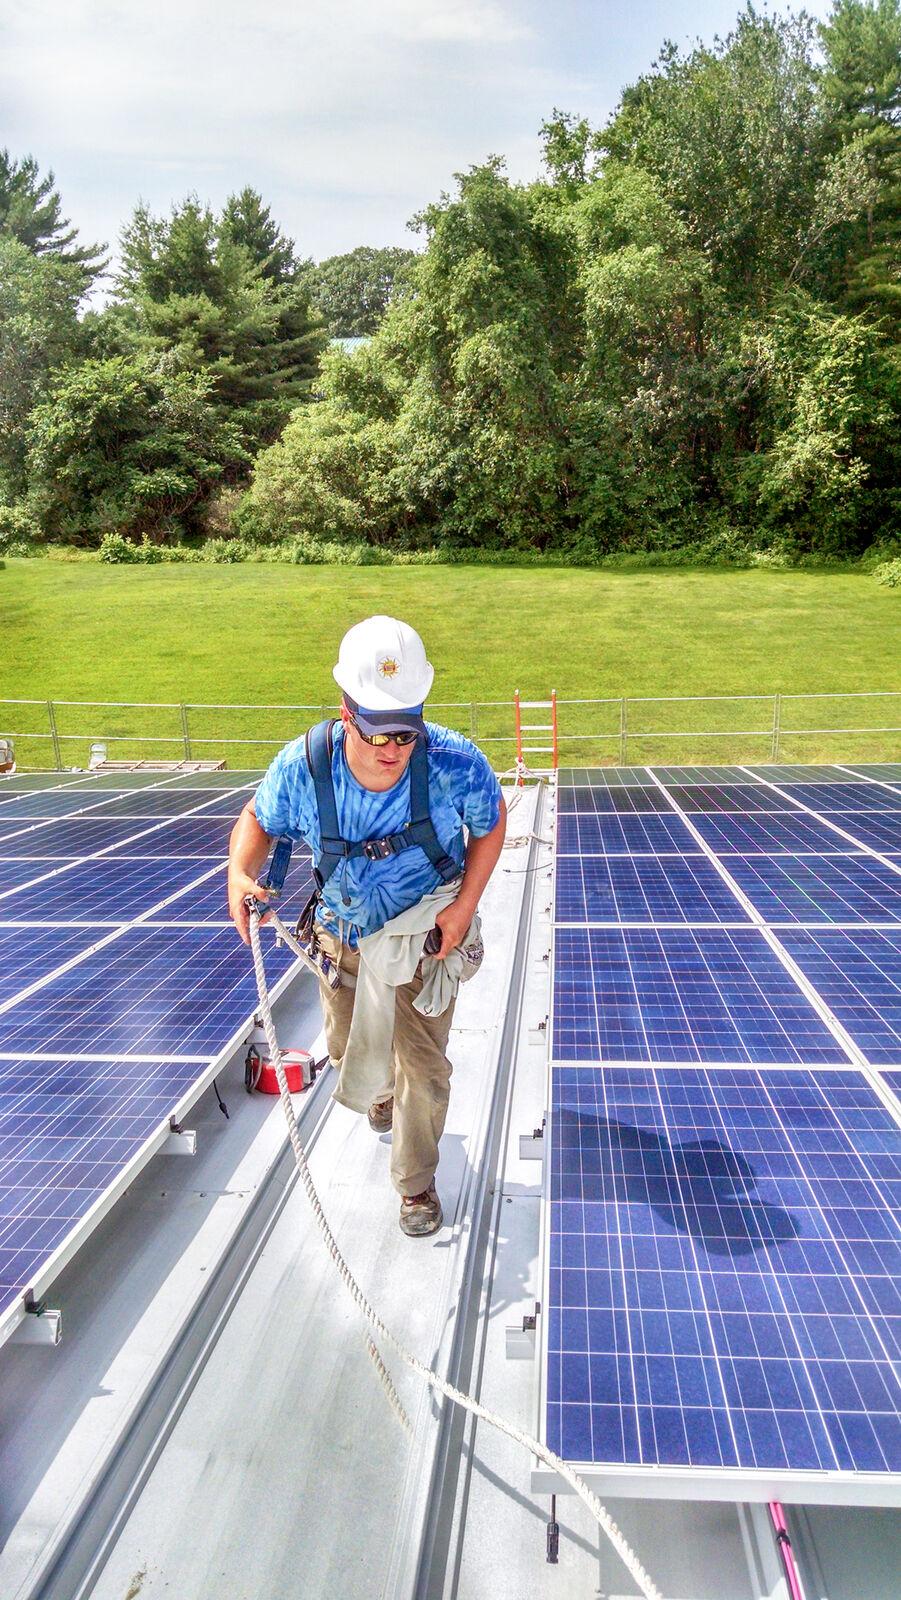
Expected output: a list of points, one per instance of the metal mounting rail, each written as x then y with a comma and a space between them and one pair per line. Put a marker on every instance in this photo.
75, 1554
418, 1566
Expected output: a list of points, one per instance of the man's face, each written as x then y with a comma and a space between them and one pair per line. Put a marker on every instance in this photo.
376, 766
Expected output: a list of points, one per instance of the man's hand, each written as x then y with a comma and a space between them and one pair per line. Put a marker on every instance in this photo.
454, 923
239, 887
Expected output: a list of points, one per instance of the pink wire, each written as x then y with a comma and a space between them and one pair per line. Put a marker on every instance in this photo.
788, 1556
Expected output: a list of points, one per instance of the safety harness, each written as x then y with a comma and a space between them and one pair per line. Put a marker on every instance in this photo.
334, 849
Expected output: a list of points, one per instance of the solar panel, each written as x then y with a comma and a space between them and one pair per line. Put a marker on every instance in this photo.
603, 800
858, 974
842, 796
583, 833
799, 773
113, 888
188, 836
67, 1129
723, 1273
603, 777
882, 771
725, 797
881, 830
819, 888
673, 994
655, 889
767, 833
27, 955
151, 991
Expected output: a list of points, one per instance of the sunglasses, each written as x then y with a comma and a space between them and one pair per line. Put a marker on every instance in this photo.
401, 739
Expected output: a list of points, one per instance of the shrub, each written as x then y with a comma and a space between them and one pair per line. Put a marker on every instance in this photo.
889, 573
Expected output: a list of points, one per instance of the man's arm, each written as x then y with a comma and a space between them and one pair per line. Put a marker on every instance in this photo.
481, 859
248, 848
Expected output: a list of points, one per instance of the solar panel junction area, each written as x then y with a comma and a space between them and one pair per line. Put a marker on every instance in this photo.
721, 1307
123, 989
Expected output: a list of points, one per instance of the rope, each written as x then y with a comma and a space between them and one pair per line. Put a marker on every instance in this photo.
577, 1484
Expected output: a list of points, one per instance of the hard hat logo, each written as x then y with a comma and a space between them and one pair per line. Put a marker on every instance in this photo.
388, 667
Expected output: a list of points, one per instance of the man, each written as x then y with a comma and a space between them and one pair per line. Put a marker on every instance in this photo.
381, 753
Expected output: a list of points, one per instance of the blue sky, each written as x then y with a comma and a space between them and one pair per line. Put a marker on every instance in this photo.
348, 117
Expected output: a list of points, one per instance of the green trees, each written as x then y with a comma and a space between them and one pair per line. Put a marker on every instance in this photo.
351, 292
684, 336
133, 418
125, 447
679, 338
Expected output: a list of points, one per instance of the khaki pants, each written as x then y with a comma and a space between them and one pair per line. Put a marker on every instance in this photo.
421, 1069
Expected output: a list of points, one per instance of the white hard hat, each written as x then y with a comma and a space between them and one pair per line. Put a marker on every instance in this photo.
382, 665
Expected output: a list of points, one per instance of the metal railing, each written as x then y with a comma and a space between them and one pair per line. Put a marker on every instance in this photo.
621, 730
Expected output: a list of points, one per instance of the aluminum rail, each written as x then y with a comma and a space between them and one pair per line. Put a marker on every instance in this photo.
76, 1553
424, 1528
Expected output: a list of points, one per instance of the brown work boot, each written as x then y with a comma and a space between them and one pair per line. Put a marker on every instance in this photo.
381, 1115
421, 1213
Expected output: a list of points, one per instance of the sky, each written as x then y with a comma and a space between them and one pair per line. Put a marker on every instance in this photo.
349, 116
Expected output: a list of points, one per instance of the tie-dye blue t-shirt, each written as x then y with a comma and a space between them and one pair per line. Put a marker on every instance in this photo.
463, 793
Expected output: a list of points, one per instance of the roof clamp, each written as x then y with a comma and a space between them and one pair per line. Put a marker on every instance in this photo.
538, 1034
521, 1340
531, 1145
179, 1141
38, 1326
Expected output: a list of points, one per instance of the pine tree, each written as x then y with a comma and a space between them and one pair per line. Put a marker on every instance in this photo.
248, 222
30, 211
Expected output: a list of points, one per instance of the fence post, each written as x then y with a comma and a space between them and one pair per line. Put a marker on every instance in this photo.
54, 734
623, 736
473, 720
185, 730
777, 725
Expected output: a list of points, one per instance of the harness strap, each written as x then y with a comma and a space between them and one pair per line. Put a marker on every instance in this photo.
334, 848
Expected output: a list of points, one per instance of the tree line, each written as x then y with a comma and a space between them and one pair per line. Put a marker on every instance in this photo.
683, 336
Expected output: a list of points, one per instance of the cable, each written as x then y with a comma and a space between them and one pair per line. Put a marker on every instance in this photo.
577, 1484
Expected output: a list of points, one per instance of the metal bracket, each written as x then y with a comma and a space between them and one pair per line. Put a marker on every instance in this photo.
38, 1326
531, 1145
180, 1141
521, 1340
538, 1034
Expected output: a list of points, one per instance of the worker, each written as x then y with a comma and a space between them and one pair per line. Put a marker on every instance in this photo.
369, 768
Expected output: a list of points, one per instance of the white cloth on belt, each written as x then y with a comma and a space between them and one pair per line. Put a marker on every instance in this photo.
388, 959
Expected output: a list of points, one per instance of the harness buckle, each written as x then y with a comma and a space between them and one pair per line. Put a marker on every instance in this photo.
378, 849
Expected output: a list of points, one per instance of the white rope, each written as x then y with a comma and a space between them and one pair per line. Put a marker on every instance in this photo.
589, 1498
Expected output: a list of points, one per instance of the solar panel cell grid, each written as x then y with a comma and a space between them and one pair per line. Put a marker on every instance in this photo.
771, 834
723, 1270
29, 954
881, 830
151, 991
859, 976
579, 833
680, 995
842, 796
643, 889
606, 801
851, 888
111, 889
725, 797
188, 836
63, 1142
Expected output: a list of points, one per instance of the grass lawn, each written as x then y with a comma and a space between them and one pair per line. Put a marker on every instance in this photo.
268, 635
